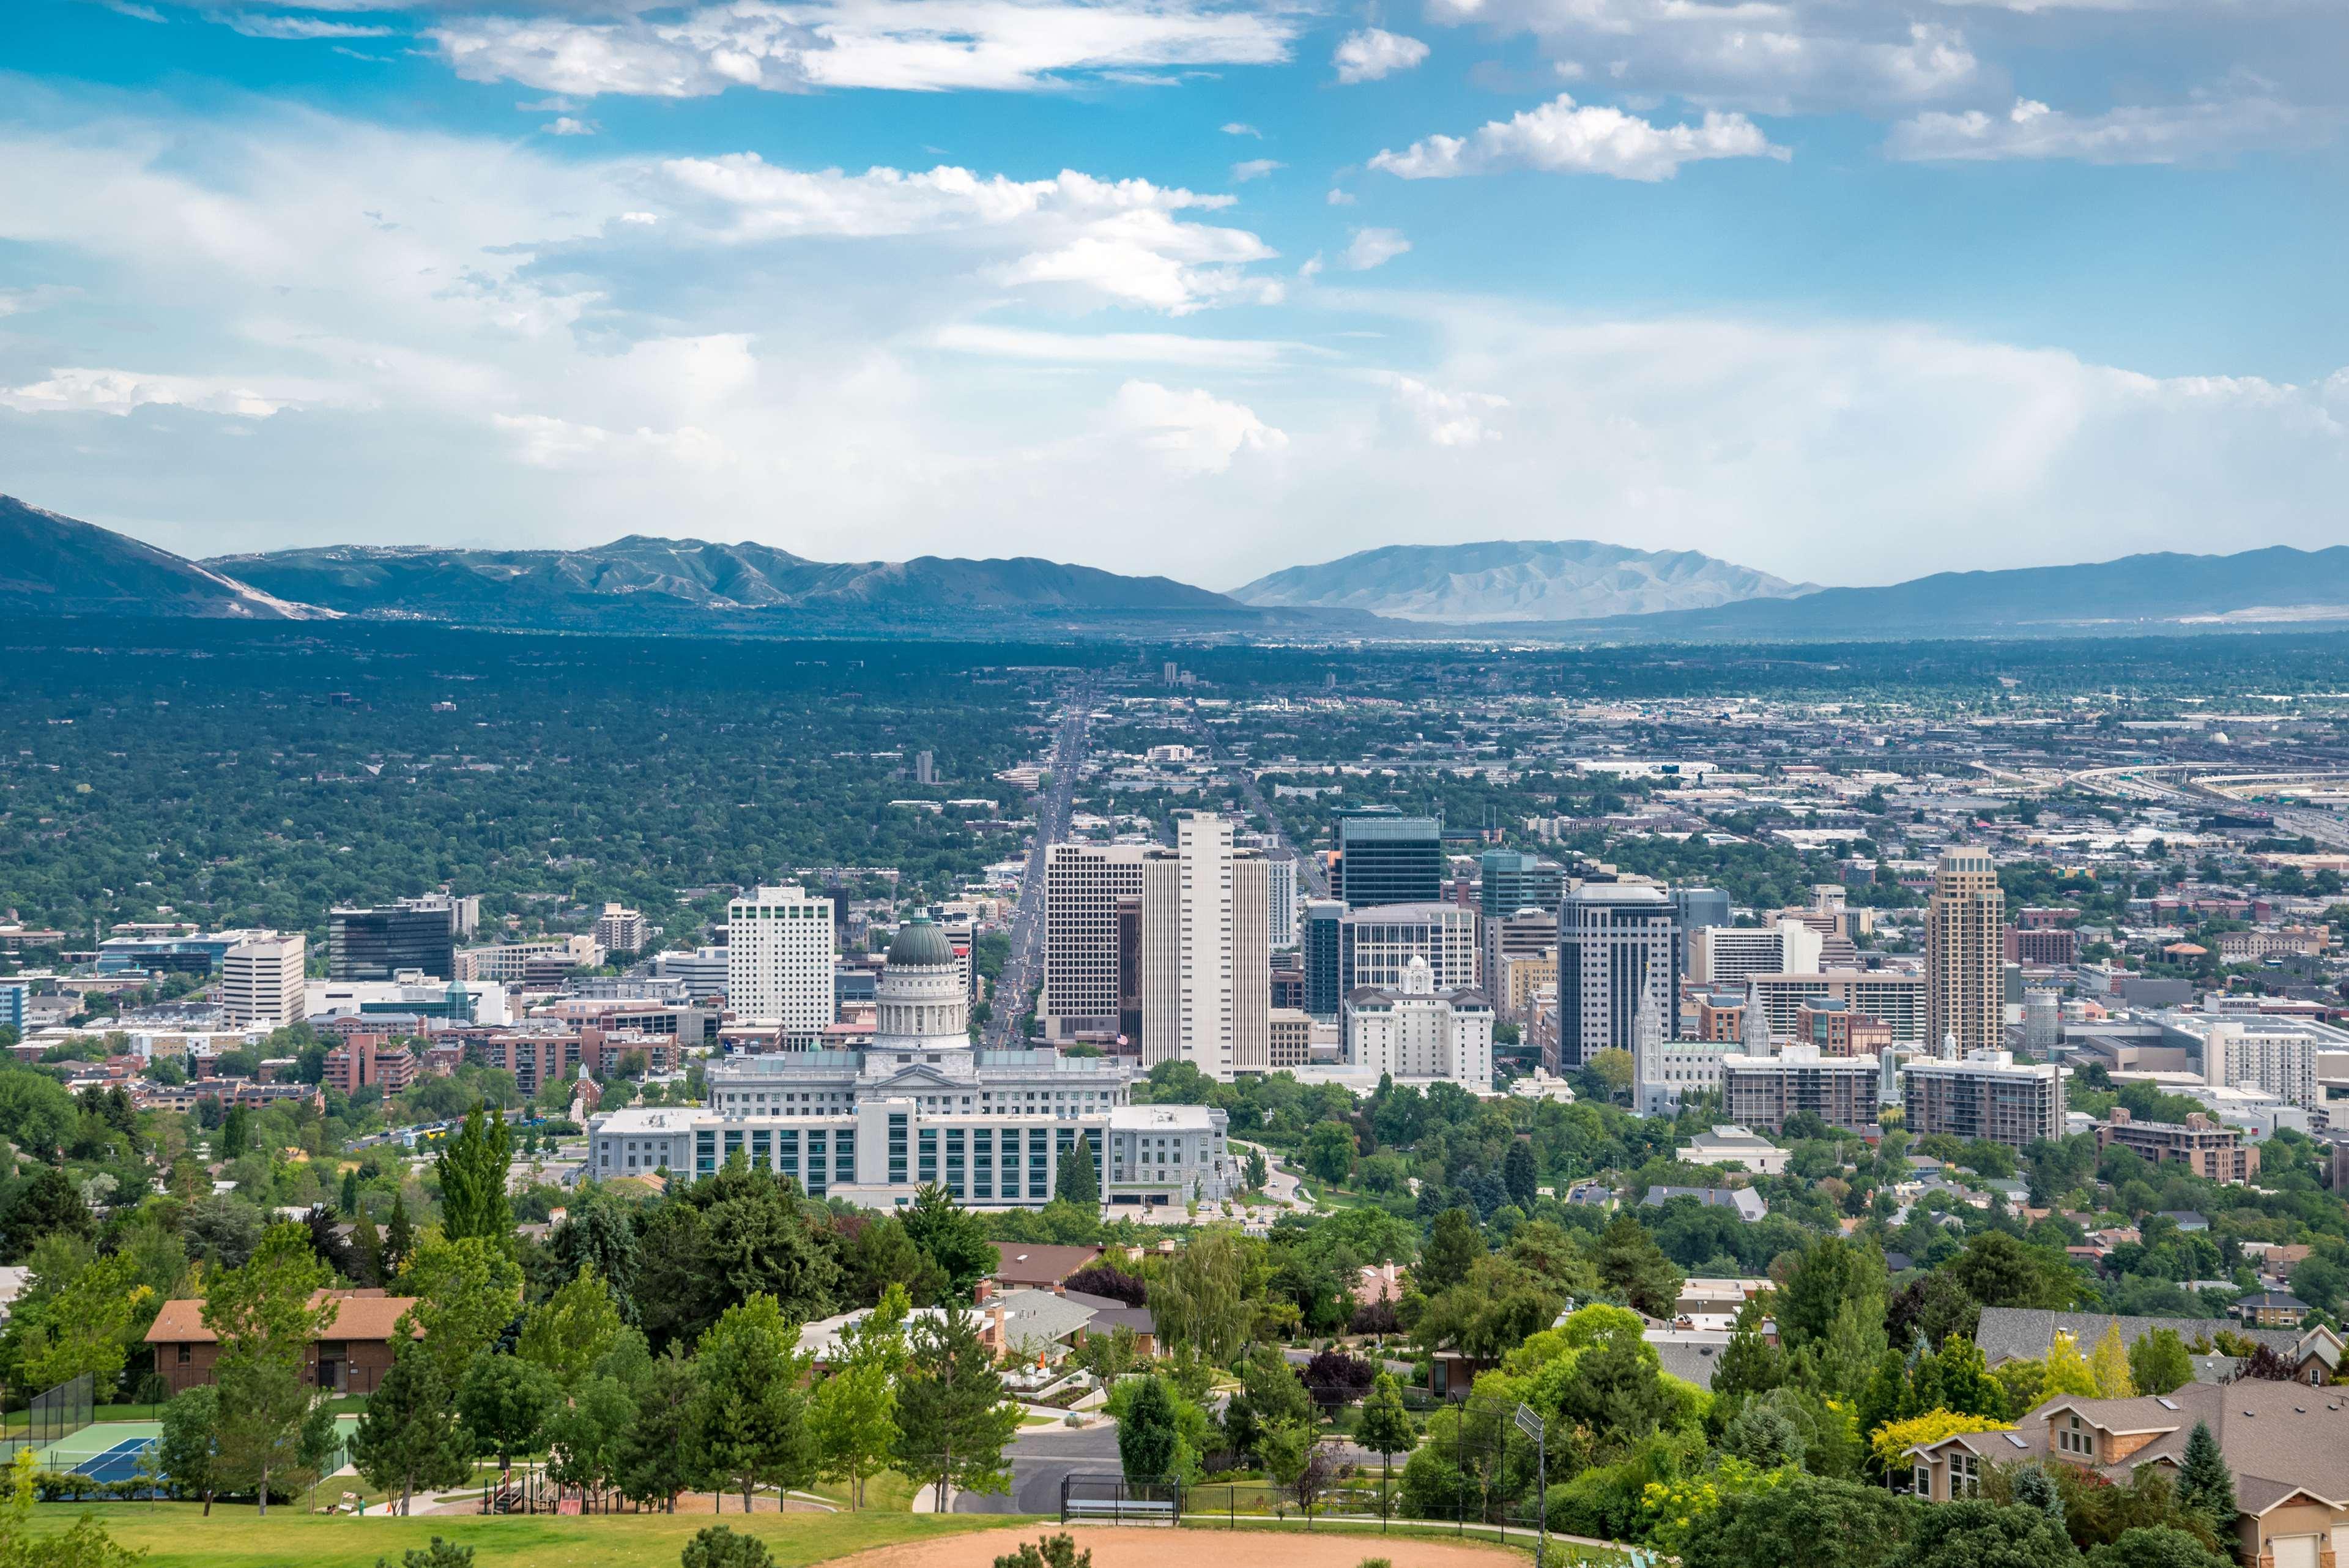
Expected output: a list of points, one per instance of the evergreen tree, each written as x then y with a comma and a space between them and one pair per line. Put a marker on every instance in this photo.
408, 1439
1635, 1268
655, 1464
2205, 1484
953, 1237
367, 1250
235, 1133
1452, 1248
472, 1167
750, 1422
1749, 1363
1386, 1427
1517, 1174
398, 1238
1078, 1180
953, 1420
2034, 1487
350, 1204
1148, 1436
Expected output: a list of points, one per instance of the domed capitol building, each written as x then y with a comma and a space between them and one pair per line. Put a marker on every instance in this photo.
920, 1105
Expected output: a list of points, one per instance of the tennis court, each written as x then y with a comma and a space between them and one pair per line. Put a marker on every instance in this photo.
119, 1463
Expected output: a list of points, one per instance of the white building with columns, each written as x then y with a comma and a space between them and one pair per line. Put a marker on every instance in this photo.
1415, 1033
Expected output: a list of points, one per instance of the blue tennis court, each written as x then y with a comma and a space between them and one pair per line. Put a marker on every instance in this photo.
119, 1463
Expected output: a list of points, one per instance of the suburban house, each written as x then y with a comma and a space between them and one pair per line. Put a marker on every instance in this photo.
349, 1356
2025, 1333
2270, 1309
1021, 1265
1747, 1203
2287, 1444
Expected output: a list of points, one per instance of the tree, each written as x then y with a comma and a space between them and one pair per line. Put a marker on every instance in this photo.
48, 1205
1199, 1301
1453, 1246
85, 1545
2156, 1547
2067, 1370
952, 1419
398, 1237
1750, 1364
1386, 1427
1047, 1552
1330, 1152
2111, 1365
85, 1326
503, 1402
467, 1292
438, 1555
1998, 1270
654, 1465
2159, 1363
853, 1416
881, 1255
717, 1546
1517, 1174
584, 1438
408, 1440
1147, 1435
472, 1168
264, 1320
1975, 1534
953, 1237
1078, 1179
367, 1250
1831, 1271
1808, 1519
1890, 1443
1259, 1170
1618, 1391
1635, 1268
2034, 1487
751, 1419
570, 1331
2205, 1484
235, 1133
189, 1449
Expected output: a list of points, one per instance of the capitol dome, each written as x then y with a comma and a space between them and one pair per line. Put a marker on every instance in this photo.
920, 1002
920, 944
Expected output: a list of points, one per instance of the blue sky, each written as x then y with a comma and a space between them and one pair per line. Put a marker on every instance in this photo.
1847, 290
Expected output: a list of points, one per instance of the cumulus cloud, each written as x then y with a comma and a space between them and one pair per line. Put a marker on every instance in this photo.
1191, 431
1238, 128
565, 125
1440, 416
2203, 130
1561, 137
1374, 247
119, 392
904, 45
1373, 52
1771, 57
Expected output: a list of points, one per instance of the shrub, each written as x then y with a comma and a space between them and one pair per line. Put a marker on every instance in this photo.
717, 1546
1049, 1551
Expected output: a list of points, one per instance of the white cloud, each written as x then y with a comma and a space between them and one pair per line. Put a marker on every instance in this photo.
254, 25
565, 125
1561, 137
133, 10
119, 392
1030, 345
1374, 53
1441, 416
1374, 247
1773, 57
1255, 169
1192, 431
1338, 198
1239, 129
905, 45
2200, 131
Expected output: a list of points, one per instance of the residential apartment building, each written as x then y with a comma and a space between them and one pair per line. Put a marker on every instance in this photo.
1280, 902
263, 981
1987, 1094
2203, 1146
622, 930
1206, 963
1761, 1091
1617, 944
779, 958
1965, 953
1892, 997
1083, 953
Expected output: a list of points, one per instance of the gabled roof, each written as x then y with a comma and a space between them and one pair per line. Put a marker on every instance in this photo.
1018, 1263
2025, 1333
359, 1314
2282, 1440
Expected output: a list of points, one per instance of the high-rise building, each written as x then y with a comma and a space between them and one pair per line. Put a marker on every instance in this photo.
1765, 1090
1129, 969
1889, 995
1082, 885
261, 982
1508, 880
1965, 977
1698, 909
926, 768
1323, 952
379, 944
1377, 943
1724, 955
619, 929
1385, 858
1618, 942
1988, 1095
12, 1004
1280, 902
779, 953
1206, 989
703, 970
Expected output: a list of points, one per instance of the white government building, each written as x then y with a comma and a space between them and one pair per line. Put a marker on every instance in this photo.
919, 1105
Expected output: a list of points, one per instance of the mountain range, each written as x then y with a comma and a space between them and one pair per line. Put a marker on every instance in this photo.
1516, 580
1568, 591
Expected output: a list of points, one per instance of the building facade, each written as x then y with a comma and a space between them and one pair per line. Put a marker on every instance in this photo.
1760, 1091
1987, 1094
1280, 902
2203, 1146
263, 981
1083, 884
1895, 998
1388, 859
379, 944
1323, 956
1727, 955
1377, 943
622, 930
1206, 964
779, 957
1965, 953
1414, 1032
1618, 944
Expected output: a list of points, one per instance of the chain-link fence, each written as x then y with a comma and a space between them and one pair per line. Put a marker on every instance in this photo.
52, 1417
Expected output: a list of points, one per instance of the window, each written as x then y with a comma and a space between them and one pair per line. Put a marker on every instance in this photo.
2074, 1436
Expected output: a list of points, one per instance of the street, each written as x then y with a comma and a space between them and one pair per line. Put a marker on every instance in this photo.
1042, 1456
1023, 965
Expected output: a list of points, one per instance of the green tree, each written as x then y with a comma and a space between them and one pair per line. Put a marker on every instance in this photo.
2205, 1484
503, 1402
584, 1438
1975, 1534
571, 1330
264, 1320
1200, 1300
751, 1421
953, 1237
1998, 1270
853, 1415
235, 1133
1386, 1428
717, 1546
466, 1291
1635, 1268
2155, 1546
655, 1461
189, 1448
86, 1327
2159, 1363
1078, 1179
1454, 1245
1330, 1152
1148, 1436
472, 1168
1808, 1519
1517, 1174
398, 1237
953, 1420
1750, 1364
84, 1545
408, 1439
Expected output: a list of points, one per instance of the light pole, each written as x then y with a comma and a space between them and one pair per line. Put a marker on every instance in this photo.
1531, 1426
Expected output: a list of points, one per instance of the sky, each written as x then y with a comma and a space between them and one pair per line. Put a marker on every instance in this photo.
1846, 290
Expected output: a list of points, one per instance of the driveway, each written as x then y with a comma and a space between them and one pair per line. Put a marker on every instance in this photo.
1042, 1456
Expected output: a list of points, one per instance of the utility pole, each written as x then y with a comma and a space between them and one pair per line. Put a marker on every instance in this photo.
1531, 1426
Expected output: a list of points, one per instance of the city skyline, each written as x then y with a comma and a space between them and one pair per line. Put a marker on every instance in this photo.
1848, 293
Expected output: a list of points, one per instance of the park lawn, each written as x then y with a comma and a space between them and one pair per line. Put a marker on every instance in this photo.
888, 1492
174, 1535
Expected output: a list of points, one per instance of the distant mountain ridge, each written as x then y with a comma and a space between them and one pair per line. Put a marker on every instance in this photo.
1515, 581
54, 564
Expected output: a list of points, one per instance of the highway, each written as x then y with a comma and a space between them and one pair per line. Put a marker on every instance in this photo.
1023, 967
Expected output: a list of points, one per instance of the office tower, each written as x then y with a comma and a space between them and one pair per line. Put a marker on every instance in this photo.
779, 953
261, 982
1510, 941
926, 768
962, 933
703, 970
12, 1004
2043, 1023
1129, 969
1082, 885
1384, 858
1324, 960
1896, 999
1722, 956
464, 914
1988, 1095
1280, 902
1965, 979
1697, 909
1376, 945
1206, 988
1509, 879
622, 930
1616, 943
381, 943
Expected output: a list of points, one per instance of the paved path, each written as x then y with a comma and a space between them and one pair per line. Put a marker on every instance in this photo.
1041, 1458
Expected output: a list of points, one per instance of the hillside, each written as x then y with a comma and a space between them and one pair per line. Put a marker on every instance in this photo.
51, 565
1515, 581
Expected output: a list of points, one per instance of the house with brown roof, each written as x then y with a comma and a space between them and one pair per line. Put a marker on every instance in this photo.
2287, 1443
1020, 1266
349, 1356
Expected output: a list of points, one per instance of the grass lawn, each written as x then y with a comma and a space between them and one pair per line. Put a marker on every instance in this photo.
175, 1536
888, 1492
